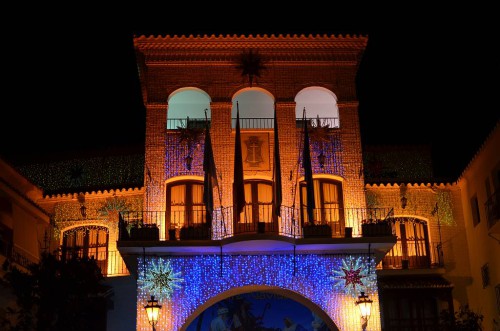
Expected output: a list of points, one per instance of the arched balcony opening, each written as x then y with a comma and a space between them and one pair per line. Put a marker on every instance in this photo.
320, 105
186, 108
256, 107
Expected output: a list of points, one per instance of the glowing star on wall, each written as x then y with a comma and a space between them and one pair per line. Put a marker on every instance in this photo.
160, 279
355, 275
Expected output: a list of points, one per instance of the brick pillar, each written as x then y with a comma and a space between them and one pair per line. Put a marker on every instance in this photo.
154, 167
350, 135
285, 112
290, 172
223, 147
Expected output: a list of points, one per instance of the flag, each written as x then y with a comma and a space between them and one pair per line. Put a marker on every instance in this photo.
277, 169
308, 176
238, 184
210, 178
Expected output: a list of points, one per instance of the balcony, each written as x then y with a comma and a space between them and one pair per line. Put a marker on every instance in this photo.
256, 231
110, 262
413, 257
249, 123
181, 224
186, 123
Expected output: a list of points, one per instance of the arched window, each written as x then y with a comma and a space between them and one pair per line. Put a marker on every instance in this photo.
319, 102
188, 102
256, 108
87, 241
328, 201
412, 246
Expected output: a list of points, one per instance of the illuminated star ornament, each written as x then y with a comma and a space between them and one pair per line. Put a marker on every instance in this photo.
356, 274
160, 279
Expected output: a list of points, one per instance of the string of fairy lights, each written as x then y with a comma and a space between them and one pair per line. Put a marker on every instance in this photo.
85, 174
182, 283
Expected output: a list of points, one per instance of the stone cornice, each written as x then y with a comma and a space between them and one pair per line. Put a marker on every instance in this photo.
95, 194
411, 185
226, 49
264, 41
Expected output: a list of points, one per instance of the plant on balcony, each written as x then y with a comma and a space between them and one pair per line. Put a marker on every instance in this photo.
312, 230
376, 228
140, 231
195, 232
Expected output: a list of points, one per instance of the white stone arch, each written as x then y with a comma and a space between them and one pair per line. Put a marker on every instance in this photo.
187, 102
254, 102
318, 102
262, 288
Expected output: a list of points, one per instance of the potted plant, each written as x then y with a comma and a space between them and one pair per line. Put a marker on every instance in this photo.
312, 230
195, 232
376, 228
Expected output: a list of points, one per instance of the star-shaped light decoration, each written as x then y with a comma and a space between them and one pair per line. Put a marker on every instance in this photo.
160, 279
251, 65
356, 274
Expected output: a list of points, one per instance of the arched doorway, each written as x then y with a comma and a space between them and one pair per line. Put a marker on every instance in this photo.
260, 310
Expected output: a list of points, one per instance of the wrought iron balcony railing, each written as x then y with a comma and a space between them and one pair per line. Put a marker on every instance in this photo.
182, 223
329, 122
186, 123
250, 123
110, 262
413, 257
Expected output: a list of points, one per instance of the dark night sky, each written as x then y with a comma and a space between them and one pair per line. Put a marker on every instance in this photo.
426, 77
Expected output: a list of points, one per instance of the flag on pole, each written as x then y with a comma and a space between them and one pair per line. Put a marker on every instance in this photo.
238, 183
277, 197
308, 175
210, 178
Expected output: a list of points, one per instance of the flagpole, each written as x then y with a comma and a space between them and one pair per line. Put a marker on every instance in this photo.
213, 172
277, 193
238, 177
306, 164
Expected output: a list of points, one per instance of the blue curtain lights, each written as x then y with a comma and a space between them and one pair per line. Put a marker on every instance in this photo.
200, 278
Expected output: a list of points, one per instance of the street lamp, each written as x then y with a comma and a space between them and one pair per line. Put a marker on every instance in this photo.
153, 310
365, 306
